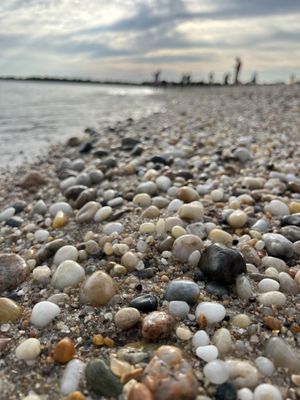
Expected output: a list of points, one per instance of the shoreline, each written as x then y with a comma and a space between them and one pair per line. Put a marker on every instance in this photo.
221, 145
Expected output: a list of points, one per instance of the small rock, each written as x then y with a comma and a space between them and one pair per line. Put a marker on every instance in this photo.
265, 366
187, 194
226, 391
277, 208
127, 317
112, 227
68, 273
60, 206
183, 333
185, 245
212, 312
28, 350
103, 214
179, 309
43, 313
101, 380
185, 290
266, 391
145, 303
157, 325
65, 253
87, 212
10, 311
277, 299
282, 354
243, 287
207, 353
71, 376
222, 340
193, 211
216, 371
237, 219
268, 285
139, 391
33, 180
13, 271
242, 373
64, 351
277, 245
98, 289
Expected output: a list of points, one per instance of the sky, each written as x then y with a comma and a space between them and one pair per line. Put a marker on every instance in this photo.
129, 39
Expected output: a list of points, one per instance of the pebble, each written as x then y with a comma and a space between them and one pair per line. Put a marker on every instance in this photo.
10, 311
174, 205
244, 394
151, 212
7, 214
221, 264
39, 208
226, 391
147, 187
101, 380
98, 289
127, 318
222, 340
142, 200
272, 298
41, 235
274, 262
200, 338
216, 371
147, 227
28, 350
112, 227
193, 211
242, 373
84, 197
65, 253
68, 273
49, 249
242, 154
185, 245
198, 229
41, 274
184, 290
266, 391
213, 312
237, 219
278, 245
92, 247
43, 313
179, 309
145, 303
217, 195
71, 376
292, 233
60, 206
219, 236
207, 353
163, 183
187, 194
268, 285
169, 376
139, 391
287, 284
64, 351
282, 354
183, 333
265, 366
13, 271
157, 325
103, 214
277, 208
87, 212
241, 321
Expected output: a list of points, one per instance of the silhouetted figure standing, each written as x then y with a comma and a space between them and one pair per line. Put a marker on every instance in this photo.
226, 79
211, 77
238, 66
156, 76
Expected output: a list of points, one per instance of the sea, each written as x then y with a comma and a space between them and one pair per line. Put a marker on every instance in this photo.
34, 115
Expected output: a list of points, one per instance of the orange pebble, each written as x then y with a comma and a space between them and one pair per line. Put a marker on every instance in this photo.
109, 342
75, 396
60, 220
64, 351
98, 340
140, 392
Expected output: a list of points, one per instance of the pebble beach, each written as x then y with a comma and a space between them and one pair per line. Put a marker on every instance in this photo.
158, 258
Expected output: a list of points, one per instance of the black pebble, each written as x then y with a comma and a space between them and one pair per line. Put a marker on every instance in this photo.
226, 391
145, 303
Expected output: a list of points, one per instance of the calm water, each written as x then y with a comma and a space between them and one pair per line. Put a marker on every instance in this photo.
34, 115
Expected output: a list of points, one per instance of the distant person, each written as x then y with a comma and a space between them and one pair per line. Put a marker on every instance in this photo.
226, 79
238, 66
156, 76
211, 77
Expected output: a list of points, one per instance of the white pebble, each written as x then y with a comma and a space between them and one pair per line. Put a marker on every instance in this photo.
28, 350
6, 214
265, 365
222, 340
163, 183
65, 253
272, 299
266, 391
68, 273
268, 285
179, 308
71, 376
207, 353
102, 214
200, 338
60, 206
147, 227
216, 371
41, 235
242, 373
43, 313
277, 208
244, 394
183, 333
174, 205
217, 195
112, 227
41, 274
213, 312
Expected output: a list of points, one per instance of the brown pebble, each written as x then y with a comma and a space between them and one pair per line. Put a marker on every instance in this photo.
134, 374
13, 271
140, 392
108, 342
4, 342
75, 396
273, 323
32, 180
157, 325
64, 351
9, 310
98, 340
295, 329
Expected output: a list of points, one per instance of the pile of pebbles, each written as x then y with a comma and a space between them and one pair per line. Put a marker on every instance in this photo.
159, 259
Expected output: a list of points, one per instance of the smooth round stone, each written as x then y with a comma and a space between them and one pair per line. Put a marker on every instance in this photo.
147, 187
185, 290
207, 353
127, 317
39, 208
43, 313
71, 376
242, 373
183, 333
274, 262
278, 245
194, 258
28, 350
262, 225
41, 235
282, 354
170, 222
103, 214
116, 202
237, 219
9, 310
277, 299
60, 206
213, 312
187, 194
174, 205
219, 236
179, 309
222, 340
65, 253
242, 154
41, 274
265, 366
221, 264
77, 165
277, 208
160, 202
252, 183
101, 380
87, 212
200, 338
59, 298
83, 179
291, 232
185, 245
244, 394
151, 212
147, 227
217, 195
241, 321
96, 176
15, 222
198, 229
98, 289
216, 371
268, 285
49, 249
291, 220
145, 303
92, 247
266, 391
84, 197
287, 284
64, 351
13, 271
163, 183
68, 273
142, 200
7, 214
193, 211
67, 183
157, 325
112, 227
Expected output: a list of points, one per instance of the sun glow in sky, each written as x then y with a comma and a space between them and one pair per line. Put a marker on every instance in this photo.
129, 39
